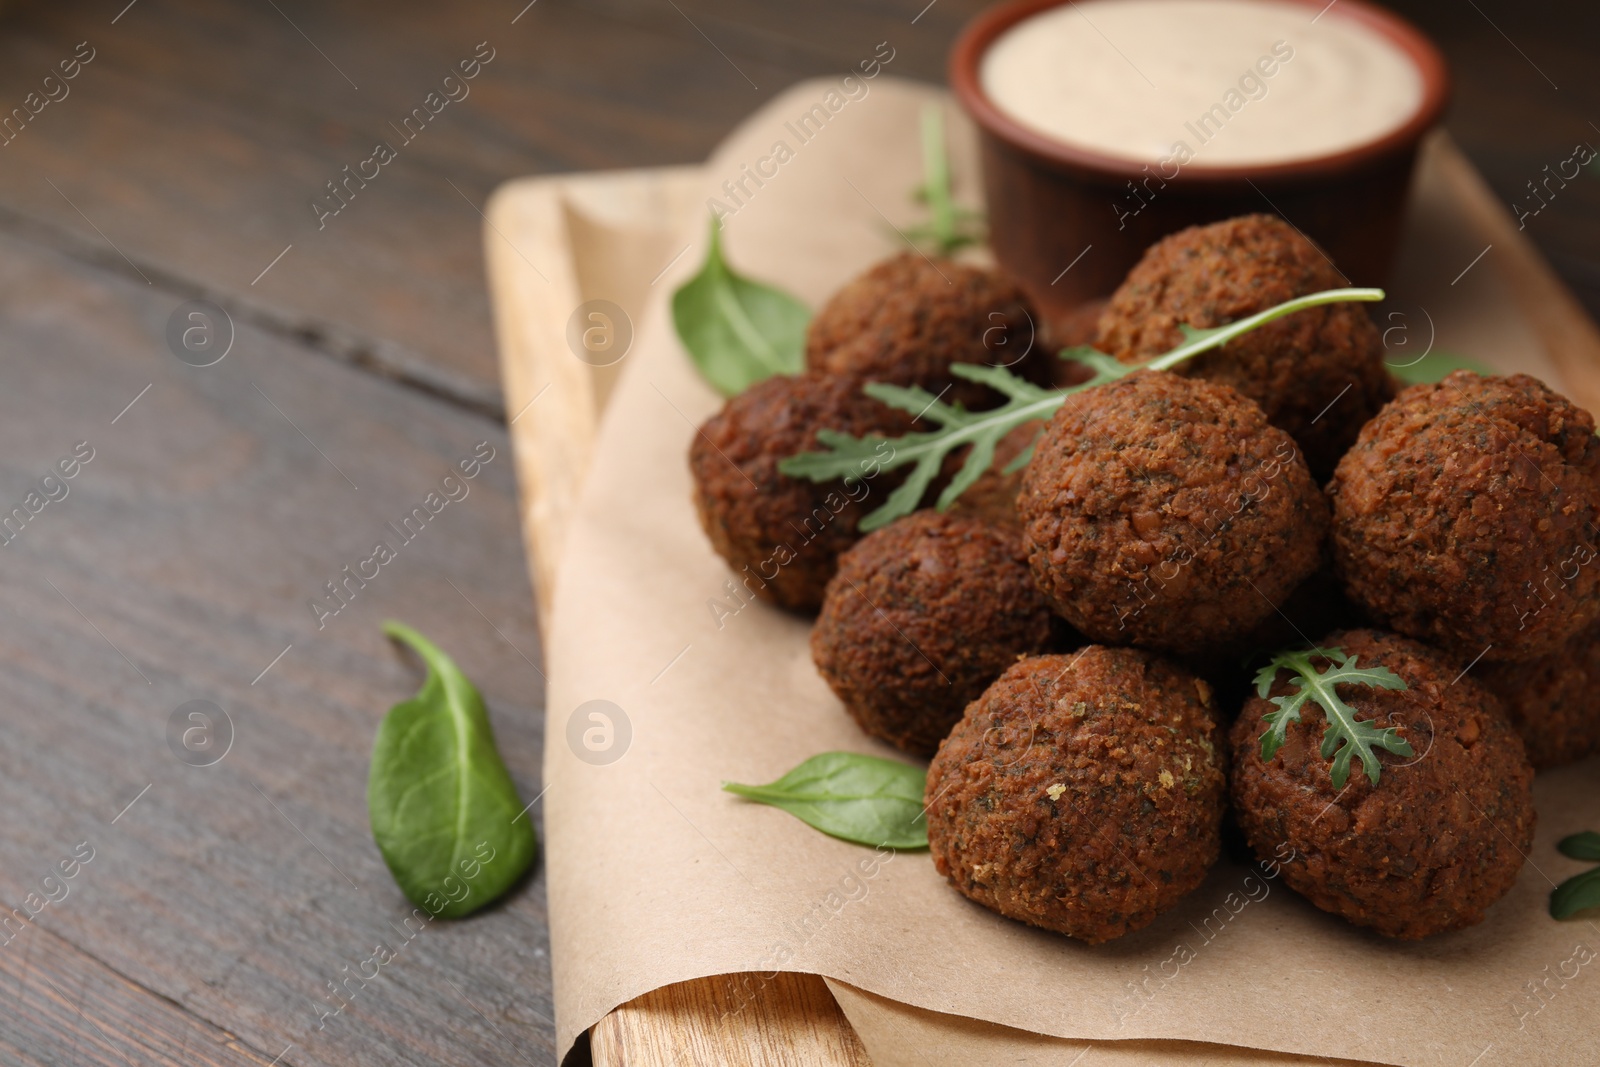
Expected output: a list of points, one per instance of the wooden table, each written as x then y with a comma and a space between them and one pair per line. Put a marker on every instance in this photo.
182, 164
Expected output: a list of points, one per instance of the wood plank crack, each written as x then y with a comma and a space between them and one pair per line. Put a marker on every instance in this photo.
104, 1011
379, 356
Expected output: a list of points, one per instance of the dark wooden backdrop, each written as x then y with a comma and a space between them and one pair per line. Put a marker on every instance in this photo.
179, 166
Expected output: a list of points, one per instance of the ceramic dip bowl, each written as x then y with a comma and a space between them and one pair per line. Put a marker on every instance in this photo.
1107, 124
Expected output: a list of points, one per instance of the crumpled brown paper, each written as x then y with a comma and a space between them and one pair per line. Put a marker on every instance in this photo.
656, 876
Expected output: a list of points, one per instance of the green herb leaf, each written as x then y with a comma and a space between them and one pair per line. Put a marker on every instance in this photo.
928, 449
1581, 892
1196, 341
1096, 360
1434, 367
949, 227
1025, 402
1343, 735
444, 811
866, 799
738, 331
1581, 846
1577, 894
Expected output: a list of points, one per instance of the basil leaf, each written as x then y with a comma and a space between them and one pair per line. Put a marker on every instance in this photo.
865, 799
444, 811
1581, 846
1434, 367
738, 331
1579, 893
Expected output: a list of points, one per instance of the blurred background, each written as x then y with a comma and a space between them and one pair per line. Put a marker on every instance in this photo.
207, 127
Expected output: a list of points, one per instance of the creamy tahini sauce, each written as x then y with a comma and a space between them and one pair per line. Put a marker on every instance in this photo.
1223, 82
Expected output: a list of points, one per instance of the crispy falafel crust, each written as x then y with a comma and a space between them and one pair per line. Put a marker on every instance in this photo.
1298, 368
782, 535
1553, 701
908, 318
1466, 516
920, 618
1437, 840
1164, 512
1081, 793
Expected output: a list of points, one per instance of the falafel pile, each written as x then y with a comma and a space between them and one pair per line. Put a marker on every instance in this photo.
1070, 641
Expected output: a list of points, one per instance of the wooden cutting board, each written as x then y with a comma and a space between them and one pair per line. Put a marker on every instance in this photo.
551, 245
554, 243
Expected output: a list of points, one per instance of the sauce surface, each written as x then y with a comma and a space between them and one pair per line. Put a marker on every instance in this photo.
1201, 82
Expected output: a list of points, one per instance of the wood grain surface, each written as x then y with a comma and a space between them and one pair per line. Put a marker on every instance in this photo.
179, 566
790, 1021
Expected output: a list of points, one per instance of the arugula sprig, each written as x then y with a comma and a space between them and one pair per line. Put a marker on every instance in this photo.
1343, 736
949, 227
1025, 402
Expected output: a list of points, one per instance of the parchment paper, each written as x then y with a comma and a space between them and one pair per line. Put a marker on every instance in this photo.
898, 1035
656, 876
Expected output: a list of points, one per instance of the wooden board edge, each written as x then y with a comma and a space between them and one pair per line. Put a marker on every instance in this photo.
532, 230
550, 410
787, 1019
1562, 324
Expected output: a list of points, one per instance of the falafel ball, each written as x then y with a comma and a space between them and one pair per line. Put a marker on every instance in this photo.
921, 616
1466, 514
1437, 840
782, 535
1553, 701
1164, 512
908, 318
1081, 793
1319, 374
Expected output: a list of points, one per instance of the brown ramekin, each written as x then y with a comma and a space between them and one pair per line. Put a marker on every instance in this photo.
1048, 201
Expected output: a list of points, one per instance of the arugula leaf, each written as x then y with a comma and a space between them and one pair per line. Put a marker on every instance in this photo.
738, 331
444, 811
949, 227
983, 430
1343, 735
865, 799
1579, 893
1581, 846
928, 449
1434, 367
